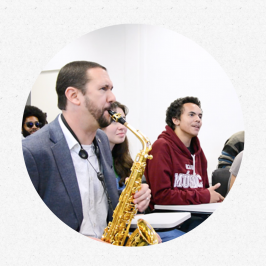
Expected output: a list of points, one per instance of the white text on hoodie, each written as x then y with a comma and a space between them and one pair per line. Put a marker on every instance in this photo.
187, 180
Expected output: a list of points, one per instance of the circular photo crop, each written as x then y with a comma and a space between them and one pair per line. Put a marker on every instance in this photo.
133, 123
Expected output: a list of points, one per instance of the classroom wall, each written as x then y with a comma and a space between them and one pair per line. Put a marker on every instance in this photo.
151, 67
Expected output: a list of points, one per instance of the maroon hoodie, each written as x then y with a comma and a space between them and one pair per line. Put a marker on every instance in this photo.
174, 176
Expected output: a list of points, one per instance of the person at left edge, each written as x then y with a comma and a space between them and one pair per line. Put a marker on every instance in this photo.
33, 119
67, 183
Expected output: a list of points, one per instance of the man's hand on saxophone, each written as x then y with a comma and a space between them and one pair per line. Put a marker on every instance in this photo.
142, 198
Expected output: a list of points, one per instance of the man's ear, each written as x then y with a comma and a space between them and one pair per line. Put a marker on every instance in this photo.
176, 121
72, 94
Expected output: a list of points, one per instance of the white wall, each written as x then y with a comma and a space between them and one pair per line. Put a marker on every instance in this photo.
43, 94
150, 68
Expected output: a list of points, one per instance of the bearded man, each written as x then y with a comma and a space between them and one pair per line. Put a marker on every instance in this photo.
69, 161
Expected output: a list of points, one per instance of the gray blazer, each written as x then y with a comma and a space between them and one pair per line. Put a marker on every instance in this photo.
50, 167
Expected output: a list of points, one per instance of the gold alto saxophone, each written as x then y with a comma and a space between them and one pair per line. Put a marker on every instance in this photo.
117, 231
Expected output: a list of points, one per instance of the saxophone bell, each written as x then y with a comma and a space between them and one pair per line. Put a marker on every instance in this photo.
144, 235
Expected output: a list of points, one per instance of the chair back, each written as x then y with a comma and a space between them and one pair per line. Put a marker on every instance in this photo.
222, 176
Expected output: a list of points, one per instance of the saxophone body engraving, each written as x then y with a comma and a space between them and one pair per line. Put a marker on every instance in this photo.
117, 231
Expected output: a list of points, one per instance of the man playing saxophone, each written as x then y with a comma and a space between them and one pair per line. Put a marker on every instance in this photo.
69, 160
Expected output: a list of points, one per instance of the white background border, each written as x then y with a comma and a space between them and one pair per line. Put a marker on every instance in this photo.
32, 32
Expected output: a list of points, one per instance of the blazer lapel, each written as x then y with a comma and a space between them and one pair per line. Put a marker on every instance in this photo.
66, 168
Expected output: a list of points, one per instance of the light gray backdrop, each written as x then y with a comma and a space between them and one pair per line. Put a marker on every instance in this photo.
33, 32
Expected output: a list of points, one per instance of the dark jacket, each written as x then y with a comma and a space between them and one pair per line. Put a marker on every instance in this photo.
50, 167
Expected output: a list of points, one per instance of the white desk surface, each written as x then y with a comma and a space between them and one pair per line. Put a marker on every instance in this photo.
162, 220
205, 208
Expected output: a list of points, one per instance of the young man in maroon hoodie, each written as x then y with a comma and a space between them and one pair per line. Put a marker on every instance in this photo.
177, 174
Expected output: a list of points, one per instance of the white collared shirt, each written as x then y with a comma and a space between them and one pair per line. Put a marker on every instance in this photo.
93, 197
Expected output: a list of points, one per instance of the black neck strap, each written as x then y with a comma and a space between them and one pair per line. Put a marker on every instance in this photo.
82, 153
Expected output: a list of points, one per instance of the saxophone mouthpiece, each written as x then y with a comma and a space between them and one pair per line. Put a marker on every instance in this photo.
111, 113
117, 117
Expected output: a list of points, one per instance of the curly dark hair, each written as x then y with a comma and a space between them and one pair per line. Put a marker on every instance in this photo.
176, 109
73, 74
33, 111
122, 159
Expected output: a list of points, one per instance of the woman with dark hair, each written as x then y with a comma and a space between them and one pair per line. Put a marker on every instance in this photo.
116, 134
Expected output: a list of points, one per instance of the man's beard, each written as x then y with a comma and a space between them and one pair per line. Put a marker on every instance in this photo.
25, 133
98, 114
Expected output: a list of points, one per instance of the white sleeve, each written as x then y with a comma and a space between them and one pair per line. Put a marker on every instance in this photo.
236, 164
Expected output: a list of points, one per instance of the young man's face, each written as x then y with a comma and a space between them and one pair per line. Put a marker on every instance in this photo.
190, 120
99, 96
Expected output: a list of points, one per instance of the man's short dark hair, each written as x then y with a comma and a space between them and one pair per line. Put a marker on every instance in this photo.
176, 109
33, 111
73, 74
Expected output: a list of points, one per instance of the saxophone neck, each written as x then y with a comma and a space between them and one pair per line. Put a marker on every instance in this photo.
146, 144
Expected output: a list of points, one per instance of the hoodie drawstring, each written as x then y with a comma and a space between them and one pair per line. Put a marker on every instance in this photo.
194, 164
